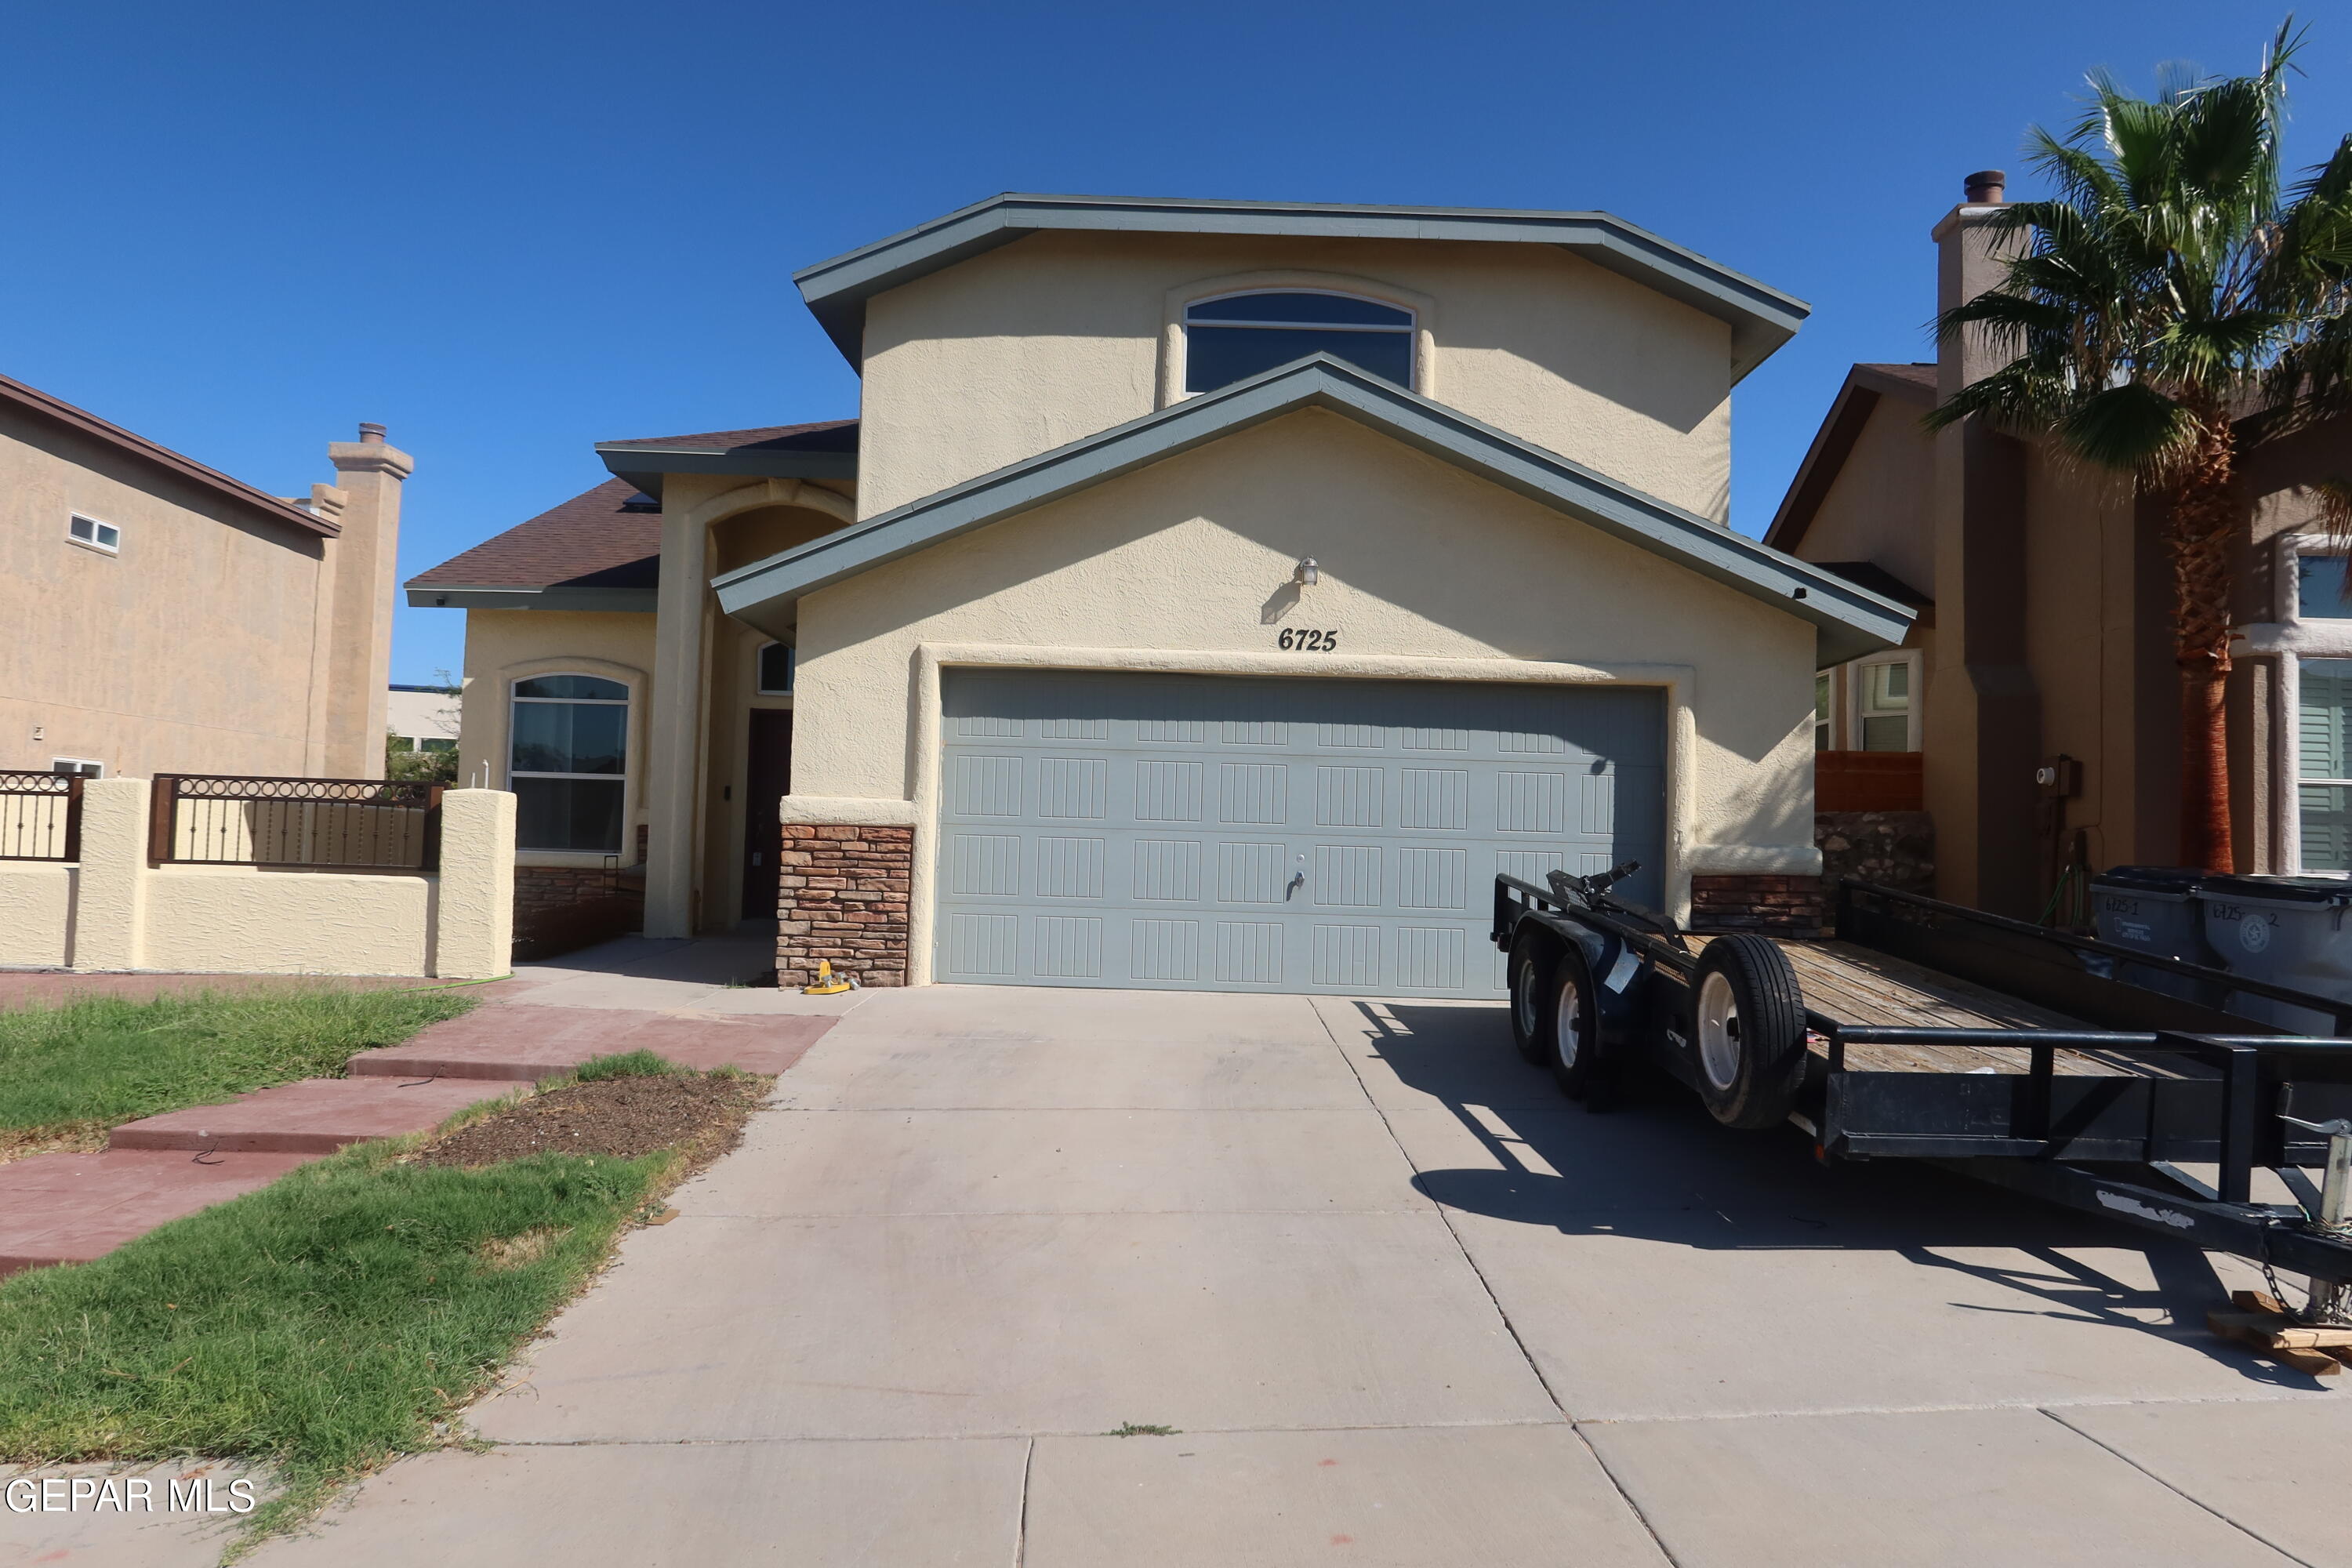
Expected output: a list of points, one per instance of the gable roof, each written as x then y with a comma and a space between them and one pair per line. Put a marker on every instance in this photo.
590, 552
1761, 317
1850, 620
824, 450
1912, 385
56, 411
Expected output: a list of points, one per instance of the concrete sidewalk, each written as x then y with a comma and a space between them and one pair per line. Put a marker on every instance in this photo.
1400, 1302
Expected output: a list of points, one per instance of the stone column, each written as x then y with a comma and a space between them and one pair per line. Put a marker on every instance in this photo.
110, 888
472, 930
674, 726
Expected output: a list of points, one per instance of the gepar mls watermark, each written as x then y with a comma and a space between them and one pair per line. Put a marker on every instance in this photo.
126, 1494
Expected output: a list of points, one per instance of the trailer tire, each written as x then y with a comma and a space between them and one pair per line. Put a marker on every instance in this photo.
1747, 1031
1575, 1025
1532, 958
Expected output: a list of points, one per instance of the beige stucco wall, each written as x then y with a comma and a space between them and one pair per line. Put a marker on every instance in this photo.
1056, 336
114, 911
1427, 571
36, 904
1876, 508
193, 650
503, 646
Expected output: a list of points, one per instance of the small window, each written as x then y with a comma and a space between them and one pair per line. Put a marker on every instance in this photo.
776, 668
435, 744
77, 768
1243, 335
1885, 706
1821, 711
96, 534
2320, 588
567, 762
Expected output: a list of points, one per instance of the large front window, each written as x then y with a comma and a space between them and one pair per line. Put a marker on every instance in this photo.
2324, 764
1239, 336
568, 763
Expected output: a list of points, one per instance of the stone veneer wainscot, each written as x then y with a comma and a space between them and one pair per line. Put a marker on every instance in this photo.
1774, 906
842, 895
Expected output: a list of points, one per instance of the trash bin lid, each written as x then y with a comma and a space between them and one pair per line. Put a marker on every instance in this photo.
2320, 891
2180, 881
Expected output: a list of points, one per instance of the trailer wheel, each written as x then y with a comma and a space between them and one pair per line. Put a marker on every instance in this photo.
1575, 1022
1747, 1030
1531, 967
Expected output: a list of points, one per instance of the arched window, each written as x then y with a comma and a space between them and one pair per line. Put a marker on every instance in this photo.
1240, 335
567, 762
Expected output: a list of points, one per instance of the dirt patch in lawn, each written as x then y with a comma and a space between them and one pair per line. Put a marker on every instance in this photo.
621, 1117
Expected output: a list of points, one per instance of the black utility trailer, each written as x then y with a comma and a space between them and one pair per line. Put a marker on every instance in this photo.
1995, 1048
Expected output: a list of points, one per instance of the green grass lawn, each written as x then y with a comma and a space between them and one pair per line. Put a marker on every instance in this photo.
100, 1060
321, 1325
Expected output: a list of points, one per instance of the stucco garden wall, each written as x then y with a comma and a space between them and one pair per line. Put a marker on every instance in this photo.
114, 911
1426, 573
1059, 336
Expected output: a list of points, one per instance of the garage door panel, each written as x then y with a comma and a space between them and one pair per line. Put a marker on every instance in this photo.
1272, 834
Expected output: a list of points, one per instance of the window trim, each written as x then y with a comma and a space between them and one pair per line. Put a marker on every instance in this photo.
1858, 682
2287, 642
1824, 710
93, 541
1174, 350
625, 778
1410, 330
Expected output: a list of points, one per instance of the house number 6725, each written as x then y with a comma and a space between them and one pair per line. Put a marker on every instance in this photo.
1305, 641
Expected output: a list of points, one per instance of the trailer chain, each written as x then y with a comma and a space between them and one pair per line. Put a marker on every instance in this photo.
2309, 1313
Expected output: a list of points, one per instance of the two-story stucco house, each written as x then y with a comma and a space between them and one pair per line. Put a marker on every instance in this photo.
1209, 595
161, 617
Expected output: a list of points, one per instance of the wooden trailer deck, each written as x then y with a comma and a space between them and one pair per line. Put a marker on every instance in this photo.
1851, 985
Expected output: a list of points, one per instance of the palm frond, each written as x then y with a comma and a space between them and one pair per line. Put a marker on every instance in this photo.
2335, 498
2132, 426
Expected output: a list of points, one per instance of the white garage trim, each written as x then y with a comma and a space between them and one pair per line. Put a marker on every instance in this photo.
1678, 681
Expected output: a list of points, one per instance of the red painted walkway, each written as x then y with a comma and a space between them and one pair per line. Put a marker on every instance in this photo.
69, 1209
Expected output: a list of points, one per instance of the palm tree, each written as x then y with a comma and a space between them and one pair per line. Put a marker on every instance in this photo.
2171, 306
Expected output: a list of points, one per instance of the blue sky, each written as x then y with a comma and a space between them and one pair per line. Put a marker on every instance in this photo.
510, 231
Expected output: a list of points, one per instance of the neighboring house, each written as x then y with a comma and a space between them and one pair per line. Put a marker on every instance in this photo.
422, 717
2038, 687
163, 617
1209, 595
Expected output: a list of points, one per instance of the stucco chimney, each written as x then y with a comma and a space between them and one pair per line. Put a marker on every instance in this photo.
1984, 187
359, 660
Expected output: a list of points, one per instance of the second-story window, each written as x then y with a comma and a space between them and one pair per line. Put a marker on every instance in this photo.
1239, 336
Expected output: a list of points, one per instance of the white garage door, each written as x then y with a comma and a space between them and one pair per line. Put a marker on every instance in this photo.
1203, 832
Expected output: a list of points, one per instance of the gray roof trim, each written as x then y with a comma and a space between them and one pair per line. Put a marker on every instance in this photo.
1850, 620
637, 600
644, 465
1762, 317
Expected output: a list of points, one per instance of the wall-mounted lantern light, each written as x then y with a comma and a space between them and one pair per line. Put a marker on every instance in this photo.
1308, 574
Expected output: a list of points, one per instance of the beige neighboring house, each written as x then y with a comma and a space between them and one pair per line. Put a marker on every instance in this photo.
2037, 690
422, 717
163, 617
1209, 595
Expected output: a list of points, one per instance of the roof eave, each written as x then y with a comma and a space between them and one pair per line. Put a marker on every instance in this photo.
456, 596
32, 400
644, 465
1851, 621
1761, 317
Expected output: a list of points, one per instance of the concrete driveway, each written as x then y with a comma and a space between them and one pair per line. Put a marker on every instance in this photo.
1402, 1305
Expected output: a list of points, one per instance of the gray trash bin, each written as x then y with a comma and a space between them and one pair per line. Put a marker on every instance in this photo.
2154, 908
2288, 930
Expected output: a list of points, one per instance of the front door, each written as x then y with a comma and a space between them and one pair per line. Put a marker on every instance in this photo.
767, 781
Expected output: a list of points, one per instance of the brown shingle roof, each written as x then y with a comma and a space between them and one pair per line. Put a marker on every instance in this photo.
816, 437
1922, 376
589, 542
